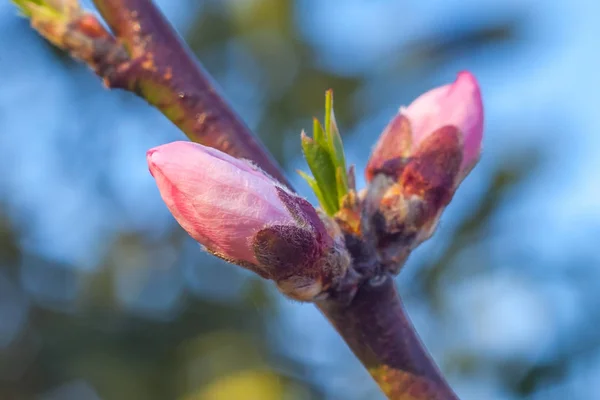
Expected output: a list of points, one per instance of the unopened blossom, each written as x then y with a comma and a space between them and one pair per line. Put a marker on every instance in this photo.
239, 213
457, 105
418, 162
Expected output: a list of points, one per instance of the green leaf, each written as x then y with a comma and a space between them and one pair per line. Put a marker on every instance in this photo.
336, 148
45, 8
323, 170
324, 154
328, 112
338, 156
315, 187
22, 5
319, 133
341, 184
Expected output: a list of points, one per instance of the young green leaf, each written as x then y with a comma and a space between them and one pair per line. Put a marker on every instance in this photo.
325, 157
323, 170
319, 134
341, 184
315, 188
328, 112
339, 159
46, 9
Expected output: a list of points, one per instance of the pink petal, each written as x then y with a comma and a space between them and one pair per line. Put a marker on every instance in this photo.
219, 200
458, 104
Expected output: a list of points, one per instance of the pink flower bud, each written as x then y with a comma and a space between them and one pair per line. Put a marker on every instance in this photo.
417, 164
220, 201
458, 105
244, 216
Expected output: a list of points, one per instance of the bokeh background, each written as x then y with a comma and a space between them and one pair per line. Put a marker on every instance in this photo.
103, 296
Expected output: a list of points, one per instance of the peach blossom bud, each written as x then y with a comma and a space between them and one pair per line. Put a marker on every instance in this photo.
458, 105
417, 164
239, 213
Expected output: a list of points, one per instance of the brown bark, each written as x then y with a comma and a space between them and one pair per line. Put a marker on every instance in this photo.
375, 326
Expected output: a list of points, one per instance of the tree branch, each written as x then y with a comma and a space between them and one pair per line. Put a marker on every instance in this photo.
147, 57
376, 328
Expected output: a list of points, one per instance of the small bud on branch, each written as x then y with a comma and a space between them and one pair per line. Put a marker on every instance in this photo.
458, 105
66, 25
417, 164
244, 216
